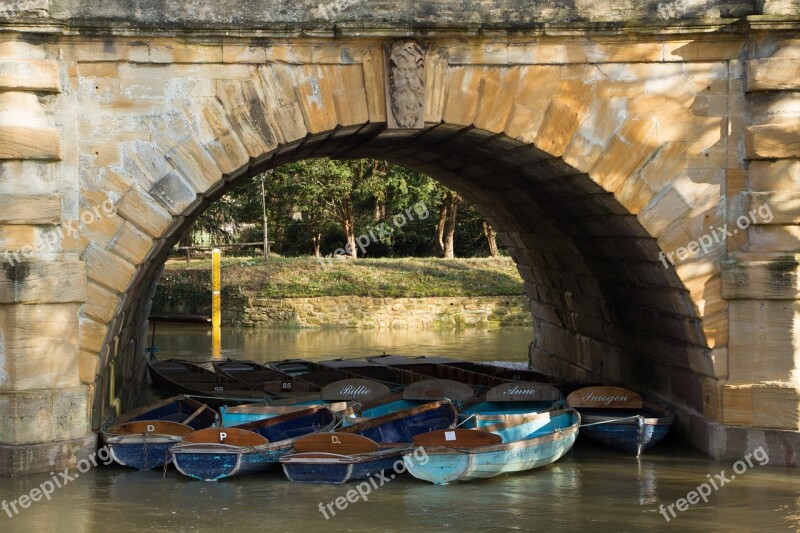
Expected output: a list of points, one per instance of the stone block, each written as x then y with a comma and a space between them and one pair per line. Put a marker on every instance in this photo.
773, 239
773, 141
496, 98
107, 269
24, 142
131, 244
762, 341
563, 117
776, 407
534, 94
39, 346
92, 335
780, 175
40, 75
101, 304
781, 207
43, 283
461, 98
773, 74
144, 212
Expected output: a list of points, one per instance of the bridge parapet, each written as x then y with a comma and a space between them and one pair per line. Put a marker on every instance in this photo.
391, 15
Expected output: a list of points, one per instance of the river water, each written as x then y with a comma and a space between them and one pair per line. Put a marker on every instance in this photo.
589, 489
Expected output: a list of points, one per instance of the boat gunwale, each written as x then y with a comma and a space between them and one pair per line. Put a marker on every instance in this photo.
556, 435
338, 458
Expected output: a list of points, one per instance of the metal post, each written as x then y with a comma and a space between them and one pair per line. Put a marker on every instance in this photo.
216, 303
264, 208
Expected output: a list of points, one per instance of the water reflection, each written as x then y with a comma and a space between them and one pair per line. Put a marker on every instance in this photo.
194, 343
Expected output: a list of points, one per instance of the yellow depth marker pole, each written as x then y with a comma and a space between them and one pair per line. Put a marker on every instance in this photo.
216, 304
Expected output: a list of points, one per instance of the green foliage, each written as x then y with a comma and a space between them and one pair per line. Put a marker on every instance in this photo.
310, 200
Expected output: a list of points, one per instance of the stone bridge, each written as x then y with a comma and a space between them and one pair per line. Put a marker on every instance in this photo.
640, 159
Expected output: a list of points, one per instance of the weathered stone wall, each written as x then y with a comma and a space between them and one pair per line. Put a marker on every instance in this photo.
389, 313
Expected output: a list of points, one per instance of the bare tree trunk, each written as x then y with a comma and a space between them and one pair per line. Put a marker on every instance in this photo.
351, 239
439, 244
350, 229
491, 238
380, 211
450, 226
316, 243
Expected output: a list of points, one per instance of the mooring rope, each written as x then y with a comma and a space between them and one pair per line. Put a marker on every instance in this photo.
611, 421
465, 420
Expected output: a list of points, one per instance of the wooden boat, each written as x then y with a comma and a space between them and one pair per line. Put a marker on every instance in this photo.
263, 378
619, 418
427, 367
365, 448
418, 393
510, 401
324, 375
465, 454
366, 369
140, 439
216, 453
186, 377
496, 372
504, 372
244, 414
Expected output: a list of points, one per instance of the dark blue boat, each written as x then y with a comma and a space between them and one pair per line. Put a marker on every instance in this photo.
217, 453
365, 448
140, 439
619, 418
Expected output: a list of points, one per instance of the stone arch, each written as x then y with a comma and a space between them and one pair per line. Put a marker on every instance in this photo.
576, 165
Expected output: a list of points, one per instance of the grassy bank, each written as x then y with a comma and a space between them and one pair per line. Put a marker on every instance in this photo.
186, 285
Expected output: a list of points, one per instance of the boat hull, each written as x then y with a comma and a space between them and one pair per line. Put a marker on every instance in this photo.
216, 454
633, 437
141, 439
142, 452
215, 462
546, 445
390, 434
338, 469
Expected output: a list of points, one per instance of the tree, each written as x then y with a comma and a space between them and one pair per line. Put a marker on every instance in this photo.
491, 238
446, 228
318, 205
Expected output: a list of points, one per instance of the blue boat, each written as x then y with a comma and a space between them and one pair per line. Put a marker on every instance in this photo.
140, 439
365, 448
238, 415
509, 402
216, 453
619, 418
341, 397
416, 394
465, 454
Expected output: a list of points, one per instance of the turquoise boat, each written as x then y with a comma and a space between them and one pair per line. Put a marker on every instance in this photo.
341, 397
417, 394
506, 403
238, 415
466, 454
